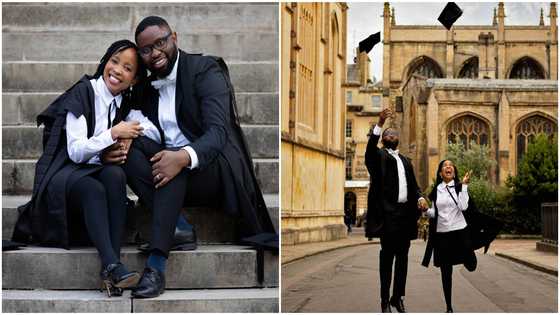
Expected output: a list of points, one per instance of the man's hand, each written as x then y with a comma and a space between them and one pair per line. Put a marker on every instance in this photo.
167, 164
114, 154
422, 204
387, 112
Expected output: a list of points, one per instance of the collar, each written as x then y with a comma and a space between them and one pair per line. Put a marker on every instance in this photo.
101, 90
443, 185
392, 152
171, 78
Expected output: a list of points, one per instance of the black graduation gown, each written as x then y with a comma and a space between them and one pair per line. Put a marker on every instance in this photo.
384, 189
45, 219
207, 115
482, 229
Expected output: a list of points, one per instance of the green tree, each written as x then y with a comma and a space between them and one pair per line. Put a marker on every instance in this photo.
537, 174
477, 159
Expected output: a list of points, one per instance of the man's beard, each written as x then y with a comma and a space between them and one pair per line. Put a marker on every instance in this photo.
390, 144
171, 60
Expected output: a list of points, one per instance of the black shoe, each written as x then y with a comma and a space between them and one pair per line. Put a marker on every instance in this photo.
115, 278
398, 304
449, 310
183, 239
152, 284
385, 306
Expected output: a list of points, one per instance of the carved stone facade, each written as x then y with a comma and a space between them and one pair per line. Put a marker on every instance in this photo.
313, 46
494, 84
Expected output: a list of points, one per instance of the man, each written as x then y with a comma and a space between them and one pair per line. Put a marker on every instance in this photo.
201, 157
393, 202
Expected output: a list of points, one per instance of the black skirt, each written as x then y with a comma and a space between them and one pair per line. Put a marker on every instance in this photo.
454, 248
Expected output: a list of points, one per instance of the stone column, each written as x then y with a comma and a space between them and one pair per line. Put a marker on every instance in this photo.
553, 42
432, 133
450, 56
501, 42
504, 130
386, 55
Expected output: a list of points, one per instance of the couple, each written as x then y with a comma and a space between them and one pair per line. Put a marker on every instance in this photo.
395, 205
174, 137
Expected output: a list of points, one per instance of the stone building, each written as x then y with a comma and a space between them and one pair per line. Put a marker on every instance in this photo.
313, 69
363, 104
493, 84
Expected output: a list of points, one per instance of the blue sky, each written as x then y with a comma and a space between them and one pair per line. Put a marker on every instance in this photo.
366, 18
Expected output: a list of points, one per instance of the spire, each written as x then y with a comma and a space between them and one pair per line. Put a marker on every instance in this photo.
393, 21
494, 19
553, 13
541, 22
501, 11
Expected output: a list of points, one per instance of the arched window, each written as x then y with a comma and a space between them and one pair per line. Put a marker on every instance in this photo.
527, 68
528, 129
470, 69
466, 129
426, 67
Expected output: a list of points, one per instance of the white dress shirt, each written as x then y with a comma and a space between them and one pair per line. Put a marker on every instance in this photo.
82, 149
167, 116
450, 215
403, 185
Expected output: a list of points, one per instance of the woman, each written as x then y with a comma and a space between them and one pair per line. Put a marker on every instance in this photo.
449, 234
70, 181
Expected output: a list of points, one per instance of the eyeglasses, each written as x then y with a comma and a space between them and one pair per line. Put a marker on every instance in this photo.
160, 44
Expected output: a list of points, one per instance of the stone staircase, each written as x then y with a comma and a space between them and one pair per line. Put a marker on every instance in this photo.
46, 48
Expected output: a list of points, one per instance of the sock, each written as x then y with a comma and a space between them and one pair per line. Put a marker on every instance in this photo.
182, 223
157, 261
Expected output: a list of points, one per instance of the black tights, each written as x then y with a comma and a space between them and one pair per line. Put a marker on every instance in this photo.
446, 280
102, 199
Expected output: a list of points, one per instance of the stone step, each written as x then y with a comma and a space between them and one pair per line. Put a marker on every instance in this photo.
18, 175
216, 266
123, 17
25, 141
172, 301
80, 46
212, 225
35, 76
23, 108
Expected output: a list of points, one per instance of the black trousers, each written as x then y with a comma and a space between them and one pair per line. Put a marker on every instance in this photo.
394, 246
101, 197
190, 187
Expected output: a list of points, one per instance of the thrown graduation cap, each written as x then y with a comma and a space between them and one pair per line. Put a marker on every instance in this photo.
368, 43
450, 14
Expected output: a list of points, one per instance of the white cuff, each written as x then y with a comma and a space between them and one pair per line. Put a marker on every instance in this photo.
194, 157
106, 138
377, 130
465, 188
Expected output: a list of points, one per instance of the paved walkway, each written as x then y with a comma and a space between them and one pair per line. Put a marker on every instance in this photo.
519, 250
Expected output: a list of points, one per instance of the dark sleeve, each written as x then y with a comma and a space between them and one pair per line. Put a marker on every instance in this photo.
417, 191
372, 153
213, 93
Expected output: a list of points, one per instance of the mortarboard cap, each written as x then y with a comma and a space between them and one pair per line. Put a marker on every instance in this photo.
368, 43
450, 14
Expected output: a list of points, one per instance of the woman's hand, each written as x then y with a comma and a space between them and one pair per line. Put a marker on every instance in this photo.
467, 177
126, 130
